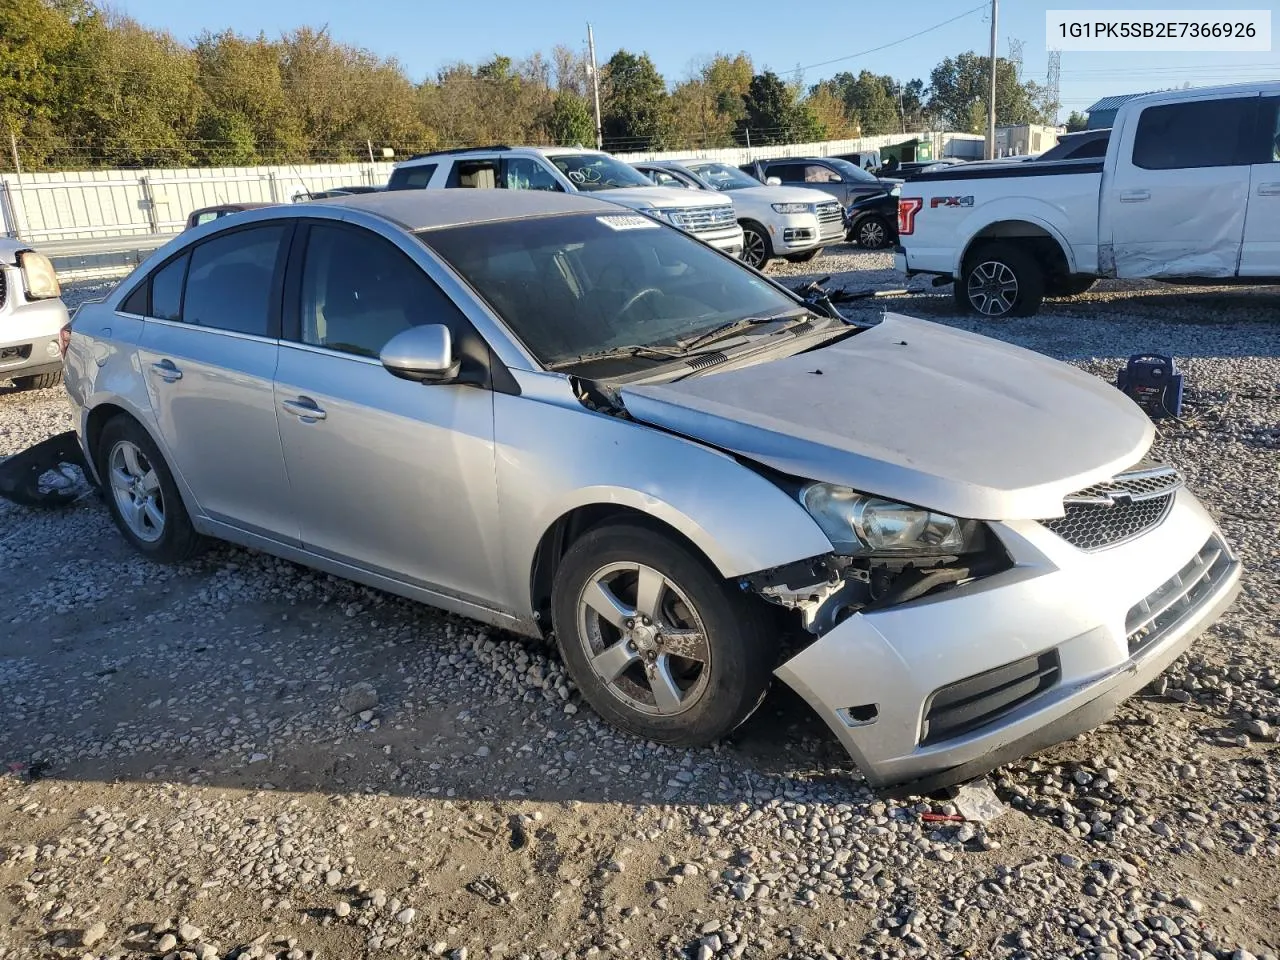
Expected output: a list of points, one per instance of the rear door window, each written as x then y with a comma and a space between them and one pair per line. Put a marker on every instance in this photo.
231, 283
1199, 133
474, 174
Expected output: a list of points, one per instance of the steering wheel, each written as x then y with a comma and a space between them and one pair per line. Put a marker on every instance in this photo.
636, 298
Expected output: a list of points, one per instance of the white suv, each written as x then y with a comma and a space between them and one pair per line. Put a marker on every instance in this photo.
32, 318
790, 222
710, 218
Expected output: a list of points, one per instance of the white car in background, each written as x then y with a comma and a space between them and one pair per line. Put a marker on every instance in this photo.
32, 318
789, 222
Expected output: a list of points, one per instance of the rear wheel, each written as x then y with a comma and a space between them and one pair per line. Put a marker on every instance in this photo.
999, 280
757, 250
141, 494
41, 381
658, 643
871, 233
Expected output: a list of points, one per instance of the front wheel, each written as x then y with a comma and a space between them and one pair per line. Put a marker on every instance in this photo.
658, 643
999, 280
757, 251
872, 233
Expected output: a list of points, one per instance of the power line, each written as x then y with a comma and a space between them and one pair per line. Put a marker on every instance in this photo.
894, 43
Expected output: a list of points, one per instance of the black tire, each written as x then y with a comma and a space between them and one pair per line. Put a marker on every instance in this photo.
41, 381
741, 649
1069, 286
178, 540
805, 257
984, 288
757, 248
871, 233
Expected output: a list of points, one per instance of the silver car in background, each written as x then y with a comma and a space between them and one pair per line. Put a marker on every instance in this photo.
568, 420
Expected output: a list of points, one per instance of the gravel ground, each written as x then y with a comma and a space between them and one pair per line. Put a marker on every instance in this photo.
244, 758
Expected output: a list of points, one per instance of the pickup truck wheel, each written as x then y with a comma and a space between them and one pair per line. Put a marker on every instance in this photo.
871, 233
999, 280
41, 381
1070, 286
757, 251
658, 643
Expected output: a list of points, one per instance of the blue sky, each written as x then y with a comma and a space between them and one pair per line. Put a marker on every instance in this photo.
425, 34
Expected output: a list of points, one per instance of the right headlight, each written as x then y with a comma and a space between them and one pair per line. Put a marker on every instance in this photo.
792, 207
858, 524
39, 278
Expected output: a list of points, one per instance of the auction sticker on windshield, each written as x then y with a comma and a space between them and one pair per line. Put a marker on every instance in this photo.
628, 223
1168, 31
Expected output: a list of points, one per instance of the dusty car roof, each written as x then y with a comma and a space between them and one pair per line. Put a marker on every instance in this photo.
428, 209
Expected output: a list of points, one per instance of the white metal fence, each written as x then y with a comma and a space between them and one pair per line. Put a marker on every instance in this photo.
105, 204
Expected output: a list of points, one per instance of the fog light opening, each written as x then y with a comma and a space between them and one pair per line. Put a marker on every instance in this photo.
859, 716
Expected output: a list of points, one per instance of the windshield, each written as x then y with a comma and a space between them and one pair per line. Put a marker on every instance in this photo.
598, 171
722, 176
851, 171
577, 285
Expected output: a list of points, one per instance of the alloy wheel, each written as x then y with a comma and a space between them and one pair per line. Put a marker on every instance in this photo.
992, 288
645, 641
135, 485
871, 235
753, 248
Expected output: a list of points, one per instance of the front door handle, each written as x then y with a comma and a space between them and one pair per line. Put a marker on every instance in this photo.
166, 370
305, 409
1269, 189
1134, 196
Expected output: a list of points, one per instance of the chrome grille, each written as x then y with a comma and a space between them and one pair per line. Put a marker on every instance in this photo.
1178, 597
704, 219
1110, 513
830, 220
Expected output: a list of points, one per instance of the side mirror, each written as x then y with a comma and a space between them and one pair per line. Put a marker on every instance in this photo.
773, 181
423, 354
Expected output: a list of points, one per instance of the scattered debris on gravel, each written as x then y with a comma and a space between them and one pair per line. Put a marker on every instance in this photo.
244, 758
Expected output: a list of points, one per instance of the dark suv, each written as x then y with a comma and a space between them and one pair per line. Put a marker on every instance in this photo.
840, 178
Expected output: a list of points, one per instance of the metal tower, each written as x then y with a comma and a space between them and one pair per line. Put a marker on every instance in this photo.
1054, 82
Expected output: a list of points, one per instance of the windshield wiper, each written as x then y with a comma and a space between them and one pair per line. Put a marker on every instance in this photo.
733, 326
630, 350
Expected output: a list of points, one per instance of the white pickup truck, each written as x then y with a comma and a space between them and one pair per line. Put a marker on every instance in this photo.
1189, 190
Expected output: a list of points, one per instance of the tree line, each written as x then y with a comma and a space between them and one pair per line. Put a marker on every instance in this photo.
82, 86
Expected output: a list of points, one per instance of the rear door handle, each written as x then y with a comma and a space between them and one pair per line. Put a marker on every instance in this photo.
166, 370
1134, 196
305, 409
1269, 189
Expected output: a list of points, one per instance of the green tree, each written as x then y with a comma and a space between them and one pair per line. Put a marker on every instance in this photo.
828, 109
569, 121
244, 102
1077, 121
773, 114
634, 103
870, 99
958, 83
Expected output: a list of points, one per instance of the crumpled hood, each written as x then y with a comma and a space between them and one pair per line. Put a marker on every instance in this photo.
917, 412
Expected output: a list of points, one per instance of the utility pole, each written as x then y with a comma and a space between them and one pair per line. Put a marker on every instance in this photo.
13, 145
991, 107
595, 85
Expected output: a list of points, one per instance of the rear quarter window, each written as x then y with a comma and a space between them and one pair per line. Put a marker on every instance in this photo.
412, 178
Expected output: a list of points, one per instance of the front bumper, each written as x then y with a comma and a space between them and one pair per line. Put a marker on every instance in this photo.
877, 679
29, 332
728, 240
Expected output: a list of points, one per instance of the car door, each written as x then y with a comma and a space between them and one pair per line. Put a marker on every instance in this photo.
388, 475
1260, 256
527, 173
1176, 199
208, 353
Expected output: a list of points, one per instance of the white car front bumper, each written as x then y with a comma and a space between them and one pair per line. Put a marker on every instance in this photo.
946, 688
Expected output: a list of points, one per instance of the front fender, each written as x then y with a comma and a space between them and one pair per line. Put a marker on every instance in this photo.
553, 459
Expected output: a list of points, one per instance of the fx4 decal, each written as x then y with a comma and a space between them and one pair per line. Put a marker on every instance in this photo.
935, 202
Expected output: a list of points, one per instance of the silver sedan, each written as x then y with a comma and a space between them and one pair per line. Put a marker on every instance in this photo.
571, 421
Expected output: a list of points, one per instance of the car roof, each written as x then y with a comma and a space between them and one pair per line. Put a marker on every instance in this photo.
430, 209
462, 153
